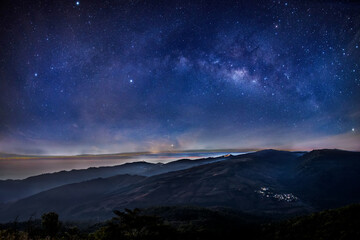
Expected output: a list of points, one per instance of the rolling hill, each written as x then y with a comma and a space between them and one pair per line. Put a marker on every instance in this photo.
267, 183
11, 190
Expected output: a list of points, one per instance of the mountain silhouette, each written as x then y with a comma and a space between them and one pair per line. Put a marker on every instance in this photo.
12, 190
268, 183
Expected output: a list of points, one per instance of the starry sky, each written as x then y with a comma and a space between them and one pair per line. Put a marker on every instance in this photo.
131, 75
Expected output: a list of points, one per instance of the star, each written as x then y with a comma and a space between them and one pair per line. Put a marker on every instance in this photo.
194, 80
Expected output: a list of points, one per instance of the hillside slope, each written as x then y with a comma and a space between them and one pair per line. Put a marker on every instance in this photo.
267, 183
11, 190
235, 183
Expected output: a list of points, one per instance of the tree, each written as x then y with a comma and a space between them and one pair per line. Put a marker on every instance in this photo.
50, 223
132, 225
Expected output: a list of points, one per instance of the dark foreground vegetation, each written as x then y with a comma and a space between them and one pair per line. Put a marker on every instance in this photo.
191, 223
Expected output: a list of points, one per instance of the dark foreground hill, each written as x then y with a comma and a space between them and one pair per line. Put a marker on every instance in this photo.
193, 223
273, 184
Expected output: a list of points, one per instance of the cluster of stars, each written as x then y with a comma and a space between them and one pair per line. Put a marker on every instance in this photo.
198, 69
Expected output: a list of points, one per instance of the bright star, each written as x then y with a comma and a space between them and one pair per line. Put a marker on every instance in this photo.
131, 81
35, 74
353, 129
77, 3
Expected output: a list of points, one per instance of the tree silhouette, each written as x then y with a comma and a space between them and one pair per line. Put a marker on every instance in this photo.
50, 223
130, 224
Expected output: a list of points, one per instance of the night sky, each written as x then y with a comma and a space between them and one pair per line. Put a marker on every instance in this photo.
123, 76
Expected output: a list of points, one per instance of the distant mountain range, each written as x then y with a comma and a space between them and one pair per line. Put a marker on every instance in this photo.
11, 190
267, 183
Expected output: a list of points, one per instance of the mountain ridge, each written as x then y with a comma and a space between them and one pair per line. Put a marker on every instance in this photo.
11, 190
267, 182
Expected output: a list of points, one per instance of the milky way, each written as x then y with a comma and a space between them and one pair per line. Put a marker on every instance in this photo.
122, 76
